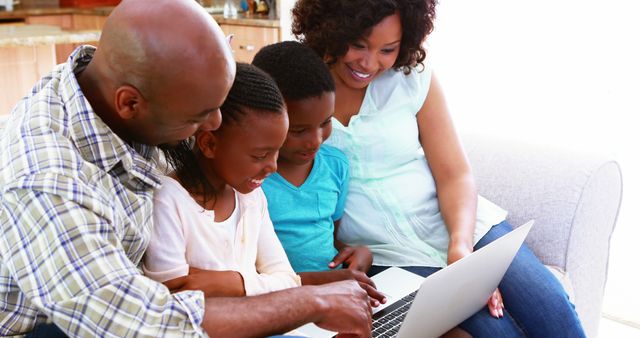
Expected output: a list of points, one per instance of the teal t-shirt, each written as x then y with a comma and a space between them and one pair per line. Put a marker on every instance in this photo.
303, 216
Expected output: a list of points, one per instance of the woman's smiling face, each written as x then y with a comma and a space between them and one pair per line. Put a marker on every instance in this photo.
371, 55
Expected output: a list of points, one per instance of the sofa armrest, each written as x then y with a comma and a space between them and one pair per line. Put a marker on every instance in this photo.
574, 199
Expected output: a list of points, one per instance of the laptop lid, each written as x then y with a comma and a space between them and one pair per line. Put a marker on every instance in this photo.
447, 297
455, 293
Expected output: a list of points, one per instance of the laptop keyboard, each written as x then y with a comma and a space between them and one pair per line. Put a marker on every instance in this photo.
387, 321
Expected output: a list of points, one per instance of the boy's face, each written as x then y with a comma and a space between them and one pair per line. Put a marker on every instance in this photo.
309, 126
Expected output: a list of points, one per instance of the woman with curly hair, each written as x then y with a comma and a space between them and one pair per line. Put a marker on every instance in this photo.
412, 199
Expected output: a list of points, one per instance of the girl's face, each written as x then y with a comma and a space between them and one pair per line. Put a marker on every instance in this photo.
243, 154
370, 56
309, 126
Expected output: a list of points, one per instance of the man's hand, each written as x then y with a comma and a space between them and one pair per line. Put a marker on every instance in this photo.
340, 306
344, 308
355, 257
324, 277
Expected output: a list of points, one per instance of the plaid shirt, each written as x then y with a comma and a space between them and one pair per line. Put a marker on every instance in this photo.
75, 220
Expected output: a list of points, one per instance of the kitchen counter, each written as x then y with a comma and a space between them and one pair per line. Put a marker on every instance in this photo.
256, 20
32, 35
248, 20
23, 13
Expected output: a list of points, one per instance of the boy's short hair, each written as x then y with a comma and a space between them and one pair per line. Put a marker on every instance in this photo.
299, 72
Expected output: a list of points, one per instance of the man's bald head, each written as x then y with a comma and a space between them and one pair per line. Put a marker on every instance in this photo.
174, 54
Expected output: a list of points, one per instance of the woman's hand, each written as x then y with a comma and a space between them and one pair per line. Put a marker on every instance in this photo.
354, 257
461, 248
495, 304
458, 248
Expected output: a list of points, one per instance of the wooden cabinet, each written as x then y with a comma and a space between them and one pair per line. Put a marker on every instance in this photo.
21, 67
69, 22
64, 21
247, 40
88, 22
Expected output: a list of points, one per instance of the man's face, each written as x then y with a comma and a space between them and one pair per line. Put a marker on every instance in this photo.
182, 107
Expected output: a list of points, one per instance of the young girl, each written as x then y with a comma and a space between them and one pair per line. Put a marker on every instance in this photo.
412, 198
212, 229
307, 194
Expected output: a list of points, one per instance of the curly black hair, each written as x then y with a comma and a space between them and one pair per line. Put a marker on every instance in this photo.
299, 72
253, 92
330, 26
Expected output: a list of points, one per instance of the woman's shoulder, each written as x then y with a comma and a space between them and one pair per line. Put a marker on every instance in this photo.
394, 86
413, 80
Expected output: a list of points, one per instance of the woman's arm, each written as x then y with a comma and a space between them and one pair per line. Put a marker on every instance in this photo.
457, 194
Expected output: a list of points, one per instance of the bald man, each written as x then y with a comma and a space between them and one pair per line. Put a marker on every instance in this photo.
77, 176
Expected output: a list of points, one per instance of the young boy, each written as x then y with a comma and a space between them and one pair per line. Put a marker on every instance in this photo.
306, 196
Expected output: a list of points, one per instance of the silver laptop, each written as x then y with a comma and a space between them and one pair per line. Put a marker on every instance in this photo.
429, 307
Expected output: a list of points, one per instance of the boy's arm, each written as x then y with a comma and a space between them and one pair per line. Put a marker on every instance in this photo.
354, 257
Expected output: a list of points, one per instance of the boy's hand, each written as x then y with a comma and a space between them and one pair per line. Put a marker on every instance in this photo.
354, 257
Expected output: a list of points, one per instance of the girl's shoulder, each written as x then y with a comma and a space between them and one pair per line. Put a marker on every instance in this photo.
172, 193
170, 187
254, 198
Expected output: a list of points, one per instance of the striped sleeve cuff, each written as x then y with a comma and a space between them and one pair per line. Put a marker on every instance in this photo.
193, 303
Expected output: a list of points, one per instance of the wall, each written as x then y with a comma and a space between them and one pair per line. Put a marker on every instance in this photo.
557, 72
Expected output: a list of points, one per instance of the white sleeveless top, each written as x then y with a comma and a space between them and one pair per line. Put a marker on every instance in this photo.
391, 204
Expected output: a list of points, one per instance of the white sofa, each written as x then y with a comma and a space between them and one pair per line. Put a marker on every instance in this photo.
574, 198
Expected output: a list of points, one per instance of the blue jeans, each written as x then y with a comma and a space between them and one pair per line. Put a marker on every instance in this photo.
535, 304
46, 331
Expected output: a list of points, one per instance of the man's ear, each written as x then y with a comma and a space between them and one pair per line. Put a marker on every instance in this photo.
129, 102
206, 142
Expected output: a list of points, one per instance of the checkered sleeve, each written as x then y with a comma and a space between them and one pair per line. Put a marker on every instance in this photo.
63, 250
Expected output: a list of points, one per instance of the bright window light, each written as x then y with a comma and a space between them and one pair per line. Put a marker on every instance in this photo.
557, 72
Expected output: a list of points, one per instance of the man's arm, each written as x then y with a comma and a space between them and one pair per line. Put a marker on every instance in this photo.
342, 307
68, 260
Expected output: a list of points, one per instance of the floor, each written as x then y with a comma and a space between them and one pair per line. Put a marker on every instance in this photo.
613, 329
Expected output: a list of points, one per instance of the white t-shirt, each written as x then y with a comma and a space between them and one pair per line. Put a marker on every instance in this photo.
185, 234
